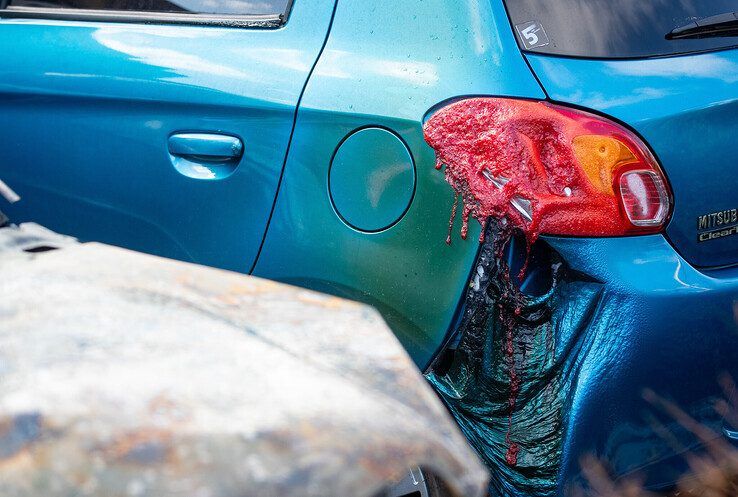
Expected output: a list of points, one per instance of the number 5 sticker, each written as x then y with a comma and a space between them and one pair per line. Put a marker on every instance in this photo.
532, 34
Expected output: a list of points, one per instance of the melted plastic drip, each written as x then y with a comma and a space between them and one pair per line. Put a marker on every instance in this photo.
507, 370
528, 144
451, 221
510, 302
511, 456
508, 379
507, 321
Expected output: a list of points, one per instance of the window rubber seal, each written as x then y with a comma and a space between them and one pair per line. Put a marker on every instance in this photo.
264, 21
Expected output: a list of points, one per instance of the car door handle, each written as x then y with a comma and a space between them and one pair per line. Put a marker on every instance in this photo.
205, 155
206, 147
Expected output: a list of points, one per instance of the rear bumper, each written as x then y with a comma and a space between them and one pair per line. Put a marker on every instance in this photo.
674, 331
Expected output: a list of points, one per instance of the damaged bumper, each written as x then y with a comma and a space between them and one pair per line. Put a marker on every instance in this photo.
659, 324
537, 381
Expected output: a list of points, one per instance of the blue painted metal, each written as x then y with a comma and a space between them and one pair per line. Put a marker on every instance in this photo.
87, 108
371, 179
205, 155
686, 109
672, 328
386, 64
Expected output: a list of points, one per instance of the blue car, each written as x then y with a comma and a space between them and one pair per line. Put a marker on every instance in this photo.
299, 141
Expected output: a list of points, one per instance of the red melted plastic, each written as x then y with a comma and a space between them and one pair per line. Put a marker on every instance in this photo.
530, 144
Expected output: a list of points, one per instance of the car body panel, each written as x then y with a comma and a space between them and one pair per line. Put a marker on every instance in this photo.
686, 109
676, 333
387, 66
87, 109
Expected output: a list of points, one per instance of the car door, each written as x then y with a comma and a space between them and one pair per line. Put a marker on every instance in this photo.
157, 125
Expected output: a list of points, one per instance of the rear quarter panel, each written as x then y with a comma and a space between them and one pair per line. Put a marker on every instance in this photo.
387, 64
686, 109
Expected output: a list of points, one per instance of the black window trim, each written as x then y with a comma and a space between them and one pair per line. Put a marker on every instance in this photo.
267, 21
543, 53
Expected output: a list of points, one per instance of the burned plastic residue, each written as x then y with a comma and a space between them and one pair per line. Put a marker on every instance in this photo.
513, 159
509, 371
508, 375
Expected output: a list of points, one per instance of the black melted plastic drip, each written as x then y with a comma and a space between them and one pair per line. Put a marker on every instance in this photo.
507, 376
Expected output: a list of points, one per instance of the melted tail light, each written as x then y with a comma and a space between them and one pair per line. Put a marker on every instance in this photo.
547, 169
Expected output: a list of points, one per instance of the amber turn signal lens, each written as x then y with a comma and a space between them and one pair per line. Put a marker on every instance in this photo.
599, 156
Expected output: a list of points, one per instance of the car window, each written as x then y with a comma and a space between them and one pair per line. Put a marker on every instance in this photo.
614, 28
212, 7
